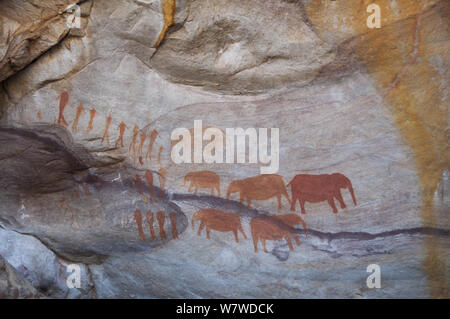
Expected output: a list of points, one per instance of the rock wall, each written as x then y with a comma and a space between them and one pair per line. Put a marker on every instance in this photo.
86, 174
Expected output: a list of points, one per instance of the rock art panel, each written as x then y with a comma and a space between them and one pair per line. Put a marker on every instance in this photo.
87, 174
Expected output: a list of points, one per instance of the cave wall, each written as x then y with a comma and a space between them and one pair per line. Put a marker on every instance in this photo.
86, 174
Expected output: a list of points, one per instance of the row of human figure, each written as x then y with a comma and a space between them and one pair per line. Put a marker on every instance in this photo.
304, 187
161, 218
135, 148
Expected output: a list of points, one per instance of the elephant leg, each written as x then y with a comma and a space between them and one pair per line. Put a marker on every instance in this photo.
297, 241
302, 206
340, 199
235, 232
255, 242
264, 245
190, 186
241, 200
196, 190
294, 200
242, 231
332, 204
207, 232
202, 225
285, 193
279, 201
218, 190
291, 248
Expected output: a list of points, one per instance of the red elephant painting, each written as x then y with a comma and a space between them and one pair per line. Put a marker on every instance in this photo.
275, 228
319, 188
218, 220
260, 187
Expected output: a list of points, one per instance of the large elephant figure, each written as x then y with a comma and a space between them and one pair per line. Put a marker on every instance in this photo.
318, 188
260, 187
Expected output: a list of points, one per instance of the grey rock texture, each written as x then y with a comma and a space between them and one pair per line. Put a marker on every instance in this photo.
221, 47
30, 28
13, 285
87, 178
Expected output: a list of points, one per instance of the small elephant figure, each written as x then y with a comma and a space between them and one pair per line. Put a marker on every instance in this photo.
276, 228
218, 220
203, 179
319, 188
260, 187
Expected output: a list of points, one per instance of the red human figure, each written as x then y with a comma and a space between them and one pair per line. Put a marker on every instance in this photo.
122, 127
153, 136
138, 219
132, 148
161, 218
86, 190
68, 209
149, 177
159, 155
139, 184
162, 177
63, 100
80, 111
107, 124
142, 141
150, 220
90, 126
173, 222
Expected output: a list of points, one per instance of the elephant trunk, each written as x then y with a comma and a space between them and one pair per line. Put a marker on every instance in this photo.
228, 194
289, 184
234, 187
229, 191
350, 188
